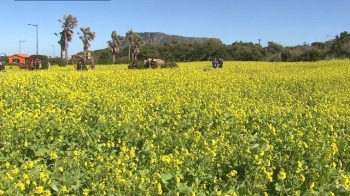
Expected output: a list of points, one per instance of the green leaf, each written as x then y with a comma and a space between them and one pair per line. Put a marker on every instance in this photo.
254, 138
54, 186
196, 179
255, 147
74, 178
166, 177
40, 152
144, 172
278, 187
141, 187
75, 187
183, 188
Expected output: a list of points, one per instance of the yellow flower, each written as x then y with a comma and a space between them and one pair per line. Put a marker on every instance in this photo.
262, 153
282, 175
178, 179
159, 188
30, 164
39, 190
166, 158
20, 185
233, 173
43, 176
8, 175
86, 192
47, 193
154, 135
269, 175
15, 170
334, 149
300, 165
64, 189
312, 185
53, 155
334, 165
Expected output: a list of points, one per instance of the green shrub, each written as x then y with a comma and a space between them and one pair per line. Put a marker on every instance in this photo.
62, 62
170, 65
44, 59
138, 66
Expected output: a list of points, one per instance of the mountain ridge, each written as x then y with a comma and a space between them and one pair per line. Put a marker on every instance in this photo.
158, 38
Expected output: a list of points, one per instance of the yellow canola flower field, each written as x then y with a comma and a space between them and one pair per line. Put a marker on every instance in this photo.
251, 128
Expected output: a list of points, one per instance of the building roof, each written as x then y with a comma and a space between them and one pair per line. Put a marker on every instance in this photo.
20, 55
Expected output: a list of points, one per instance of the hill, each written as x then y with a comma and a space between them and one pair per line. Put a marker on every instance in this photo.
158, 38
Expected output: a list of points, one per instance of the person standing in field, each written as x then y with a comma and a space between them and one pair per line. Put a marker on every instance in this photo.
153, 63
220, 63
134, 65
36, 63
214, 62
2, 66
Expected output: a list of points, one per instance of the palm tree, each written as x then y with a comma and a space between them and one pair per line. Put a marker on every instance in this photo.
134, 41
68, 24
61, 42
86, 37
138, 42
130, 40
115, 43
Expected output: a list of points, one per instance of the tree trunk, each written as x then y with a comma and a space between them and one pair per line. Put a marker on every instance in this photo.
113, 57
66, 45
129, 51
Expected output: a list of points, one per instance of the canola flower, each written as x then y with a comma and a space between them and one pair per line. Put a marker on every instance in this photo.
252, 128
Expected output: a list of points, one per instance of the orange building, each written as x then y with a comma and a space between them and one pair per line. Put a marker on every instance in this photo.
19, 58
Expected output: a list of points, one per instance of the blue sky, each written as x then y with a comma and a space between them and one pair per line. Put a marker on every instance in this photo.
286, 22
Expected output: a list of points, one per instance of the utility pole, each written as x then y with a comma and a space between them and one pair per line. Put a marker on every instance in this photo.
36, 25
53, 50
20, 46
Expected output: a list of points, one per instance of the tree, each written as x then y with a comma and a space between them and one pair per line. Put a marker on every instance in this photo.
86, 37
149, 50
130, 40
134, 42
318, 45
274, 47
104, 57
61, 42
338, 44
68, 24
115, 43
138, 42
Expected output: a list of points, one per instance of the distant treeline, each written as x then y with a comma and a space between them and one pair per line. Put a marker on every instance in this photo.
339, 47
336, 48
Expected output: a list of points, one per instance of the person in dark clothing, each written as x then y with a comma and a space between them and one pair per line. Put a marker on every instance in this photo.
2, 66
220, 63
134, 65
153, 63
37, 63
214, 62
